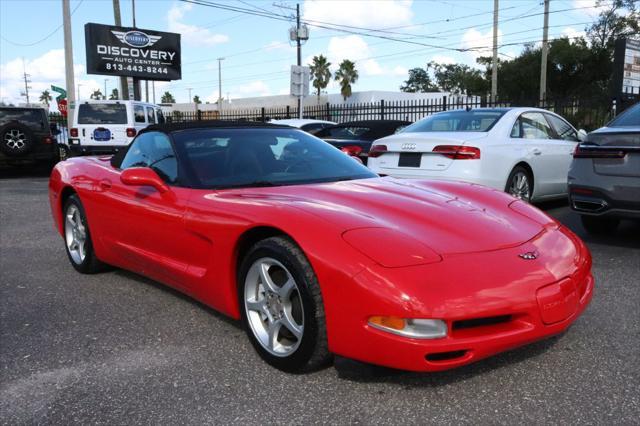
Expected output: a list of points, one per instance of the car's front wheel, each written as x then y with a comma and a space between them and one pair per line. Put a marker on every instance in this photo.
520, 184
281, 306
598, 224
78, 239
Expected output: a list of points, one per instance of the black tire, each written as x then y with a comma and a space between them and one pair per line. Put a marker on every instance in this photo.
16, 140
63, 152
520, 170
91, 264
599, 225
312, 352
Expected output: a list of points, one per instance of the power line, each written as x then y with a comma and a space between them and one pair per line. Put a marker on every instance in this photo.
46, 37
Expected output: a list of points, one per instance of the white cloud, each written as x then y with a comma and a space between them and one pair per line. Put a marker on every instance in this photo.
400, 71
590, 7
572, 33
354, 48
479, 43
378, 14
192, 34
443, 59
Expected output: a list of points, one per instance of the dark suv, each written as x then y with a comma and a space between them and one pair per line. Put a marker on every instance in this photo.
27, 137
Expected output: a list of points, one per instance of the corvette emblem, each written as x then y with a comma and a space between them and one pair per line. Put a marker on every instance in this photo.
530, 255
408, 146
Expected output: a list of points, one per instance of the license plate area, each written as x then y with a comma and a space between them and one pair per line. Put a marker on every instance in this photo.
101, 134
409, 159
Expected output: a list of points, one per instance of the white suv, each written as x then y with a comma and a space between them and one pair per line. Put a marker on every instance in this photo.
104, 127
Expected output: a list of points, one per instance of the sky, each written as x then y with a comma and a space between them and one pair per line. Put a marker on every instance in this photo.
257, 53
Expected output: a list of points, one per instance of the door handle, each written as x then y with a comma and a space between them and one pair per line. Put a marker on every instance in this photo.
105, 184
536, 151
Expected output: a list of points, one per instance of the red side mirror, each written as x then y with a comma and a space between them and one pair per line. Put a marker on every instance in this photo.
143, 176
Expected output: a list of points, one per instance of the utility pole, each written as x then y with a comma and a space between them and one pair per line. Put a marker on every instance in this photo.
545, 51
105, 88
220, 84
124, 90
153, 89
79, 85
136, 81
68, 60
190, 89
494, 63
26, 83
299, 54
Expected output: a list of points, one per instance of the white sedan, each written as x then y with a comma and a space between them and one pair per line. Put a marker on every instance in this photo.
523, 151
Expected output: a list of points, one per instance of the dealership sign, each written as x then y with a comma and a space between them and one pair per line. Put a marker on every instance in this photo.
132, 52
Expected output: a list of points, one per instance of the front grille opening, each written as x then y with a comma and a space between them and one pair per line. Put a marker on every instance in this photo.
446, 356
481, 322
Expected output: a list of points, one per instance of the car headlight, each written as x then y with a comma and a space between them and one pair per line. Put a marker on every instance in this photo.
410, 327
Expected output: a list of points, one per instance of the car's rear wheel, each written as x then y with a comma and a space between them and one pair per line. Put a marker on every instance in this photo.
281, 306
599, 224
78, 239
520, 184
16, 139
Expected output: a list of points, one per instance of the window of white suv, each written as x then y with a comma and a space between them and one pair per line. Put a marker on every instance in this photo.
138, 113
151, 118
102, 114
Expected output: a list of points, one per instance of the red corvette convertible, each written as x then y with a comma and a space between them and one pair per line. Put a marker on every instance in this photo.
316, 254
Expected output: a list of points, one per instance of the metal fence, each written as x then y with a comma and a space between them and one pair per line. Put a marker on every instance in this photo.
587, 113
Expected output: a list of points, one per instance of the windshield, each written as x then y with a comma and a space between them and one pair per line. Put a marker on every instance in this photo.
629, 118
230, 158
102, 114
457, 121
346, 132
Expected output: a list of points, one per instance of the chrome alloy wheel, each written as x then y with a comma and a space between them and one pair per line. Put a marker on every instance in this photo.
274, 307
519, 186
75, 234
15, 139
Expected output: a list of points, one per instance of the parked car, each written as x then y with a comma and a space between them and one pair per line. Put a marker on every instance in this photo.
26, 137
105, 127
604, 178
308, 125
523, 151
316, 254
355, 138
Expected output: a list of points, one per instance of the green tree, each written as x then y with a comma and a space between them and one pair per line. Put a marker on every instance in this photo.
320, 73
45, 98
97, 95
346, 75
621, 18
196, 100
419, 81
114, 95
459, 79
167, 98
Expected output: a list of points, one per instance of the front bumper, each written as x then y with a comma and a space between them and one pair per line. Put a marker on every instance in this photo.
491, 302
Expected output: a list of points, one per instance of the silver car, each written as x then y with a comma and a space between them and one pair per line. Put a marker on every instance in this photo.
604, 177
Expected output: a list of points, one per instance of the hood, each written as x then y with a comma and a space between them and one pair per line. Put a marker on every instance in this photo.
448, 217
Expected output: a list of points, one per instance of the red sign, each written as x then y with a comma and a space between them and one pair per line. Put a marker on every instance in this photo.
62, 107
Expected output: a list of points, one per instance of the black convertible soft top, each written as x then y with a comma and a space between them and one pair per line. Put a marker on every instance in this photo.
377, 128
205, 124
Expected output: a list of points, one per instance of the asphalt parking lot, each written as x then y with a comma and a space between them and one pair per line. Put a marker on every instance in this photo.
117, 348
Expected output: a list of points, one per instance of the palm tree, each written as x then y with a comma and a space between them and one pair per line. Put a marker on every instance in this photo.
320, 73
346, 75
114, 95
167, 98
45, 98
97, 94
